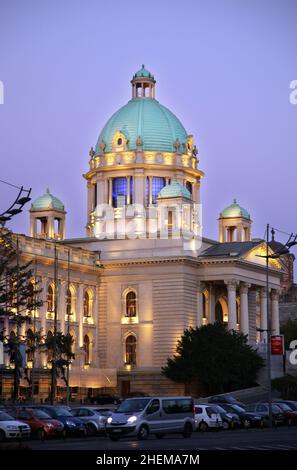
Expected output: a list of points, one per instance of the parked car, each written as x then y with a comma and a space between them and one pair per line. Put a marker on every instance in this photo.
104, 399
290, 415
206, 417
291, 403
11, 428
94, 418
219, 399
72, 425
230, 420
40, 422
158, 415
247, 418
262, 409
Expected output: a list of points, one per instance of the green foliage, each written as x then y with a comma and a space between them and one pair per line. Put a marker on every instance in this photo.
218, 359
60, 347
286, 385
289, 330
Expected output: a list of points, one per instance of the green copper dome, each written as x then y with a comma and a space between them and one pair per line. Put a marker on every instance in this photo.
175, 189
234, 210
47, 201
143, 72
144, 121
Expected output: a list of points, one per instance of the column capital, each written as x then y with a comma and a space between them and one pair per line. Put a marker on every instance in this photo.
263, 293
231, 284
244, 287
275, 294
200, 286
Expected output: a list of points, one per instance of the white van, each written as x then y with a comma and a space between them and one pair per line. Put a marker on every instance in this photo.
152, 415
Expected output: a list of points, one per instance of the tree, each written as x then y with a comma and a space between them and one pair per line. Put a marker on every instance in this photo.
216, 359
18, 296
286, 385
61, 359
289, 330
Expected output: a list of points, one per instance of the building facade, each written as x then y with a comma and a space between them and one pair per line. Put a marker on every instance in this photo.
143, 272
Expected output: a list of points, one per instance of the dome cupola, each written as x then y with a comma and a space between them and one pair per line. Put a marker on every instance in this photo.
143, 84
235, 223
47, 217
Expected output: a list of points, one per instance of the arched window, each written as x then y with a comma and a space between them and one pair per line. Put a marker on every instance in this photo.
69, 302
130, 350
49, 345
219, 316
87, 349
30, 345
119, 191
50, 299
87, 304
131, 304
189, 186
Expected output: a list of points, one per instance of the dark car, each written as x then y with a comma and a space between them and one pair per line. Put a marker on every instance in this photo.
290, 415
219, 399
72, 425
247, 418
41, 423
262, 409
230, 419
291, 403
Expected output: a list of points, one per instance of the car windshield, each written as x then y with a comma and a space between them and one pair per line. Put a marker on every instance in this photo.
133, 405
62, 412
218, 409
237, 408
5, 417
276, 409
293, 406
41, 414
284, 407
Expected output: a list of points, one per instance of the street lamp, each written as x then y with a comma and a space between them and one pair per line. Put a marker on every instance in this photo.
283, 251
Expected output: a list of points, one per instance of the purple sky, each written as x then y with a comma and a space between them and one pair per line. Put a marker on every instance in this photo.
222, 66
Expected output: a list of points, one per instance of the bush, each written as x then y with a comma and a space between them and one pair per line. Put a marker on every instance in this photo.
287, 386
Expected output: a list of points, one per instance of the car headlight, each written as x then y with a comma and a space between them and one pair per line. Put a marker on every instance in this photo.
49, 425
109, 420
70, 423
12, 428
132, 419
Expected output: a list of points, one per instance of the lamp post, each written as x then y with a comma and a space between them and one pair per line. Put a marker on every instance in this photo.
285, 250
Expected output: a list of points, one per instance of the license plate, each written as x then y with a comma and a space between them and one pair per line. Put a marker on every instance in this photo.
117, 430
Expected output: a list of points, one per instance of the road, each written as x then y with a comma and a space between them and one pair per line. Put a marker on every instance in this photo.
252, 439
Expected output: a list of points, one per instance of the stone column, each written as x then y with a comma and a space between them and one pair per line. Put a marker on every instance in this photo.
80, 314
139, 187
211, 304
244, 310
200, 289
62, 306
274, 312
232, 321
42, 313
263, 314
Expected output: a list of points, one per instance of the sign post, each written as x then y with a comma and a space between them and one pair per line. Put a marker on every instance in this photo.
277, 345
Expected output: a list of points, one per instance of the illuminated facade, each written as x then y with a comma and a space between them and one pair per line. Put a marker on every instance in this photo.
134, 282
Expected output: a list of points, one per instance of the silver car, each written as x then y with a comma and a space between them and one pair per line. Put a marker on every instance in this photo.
140, 417
94, 417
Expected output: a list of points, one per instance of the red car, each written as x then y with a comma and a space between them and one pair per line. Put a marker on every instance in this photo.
289, 414
41, 424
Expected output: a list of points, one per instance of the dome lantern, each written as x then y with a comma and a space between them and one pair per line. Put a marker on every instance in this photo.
235, 224
143, 84
47, 217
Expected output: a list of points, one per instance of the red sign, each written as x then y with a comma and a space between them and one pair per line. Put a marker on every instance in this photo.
277, 344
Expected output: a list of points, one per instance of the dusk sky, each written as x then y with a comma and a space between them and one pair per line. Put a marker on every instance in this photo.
224, 67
